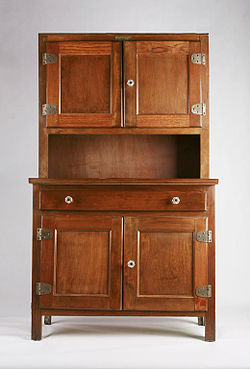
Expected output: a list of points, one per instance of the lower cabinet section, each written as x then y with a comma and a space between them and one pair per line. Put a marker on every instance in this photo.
130, 263
92, 258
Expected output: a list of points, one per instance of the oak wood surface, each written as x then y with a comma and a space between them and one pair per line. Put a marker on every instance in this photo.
108, 198
82, 262
116, 156
167, 84
84, 84
182, 296
121, 181
127, 177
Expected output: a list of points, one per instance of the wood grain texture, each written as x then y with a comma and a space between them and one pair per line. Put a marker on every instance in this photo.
121, 181
112, 36
85, 84
165, 263
82, 262
36, 321
162, 47
85, 272
201, 264
79, 312
113, 198
124, 156
43, 132
166, 84
210, 327
134, 227
205, 118
167, 73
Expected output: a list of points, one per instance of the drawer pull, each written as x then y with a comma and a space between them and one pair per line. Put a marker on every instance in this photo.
130, 83
176, 200
68, 199
131, 263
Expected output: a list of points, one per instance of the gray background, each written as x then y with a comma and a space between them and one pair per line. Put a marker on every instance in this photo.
229, 28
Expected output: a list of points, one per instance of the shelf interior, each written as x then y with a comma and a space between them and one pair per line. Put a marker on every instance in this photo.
124, 156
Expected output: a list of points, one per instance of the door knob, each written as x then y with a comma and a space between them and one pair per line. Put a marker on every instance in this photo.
130, 83
175, 200
68, 199
131, 263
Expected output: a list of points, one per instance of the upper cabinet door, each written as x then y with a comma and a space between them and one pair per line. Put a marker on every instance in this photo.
161, 84
84, 83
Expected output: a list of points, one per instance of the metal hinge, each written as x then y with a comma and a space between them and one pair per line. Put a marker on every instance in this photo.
204, 291
48, 109
199, 109
43, 288
204, 236
198, 58
49, 58
44, 234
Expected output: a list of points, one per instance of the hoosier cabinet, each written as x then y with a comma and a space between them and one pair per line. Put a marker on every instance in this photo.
123, 209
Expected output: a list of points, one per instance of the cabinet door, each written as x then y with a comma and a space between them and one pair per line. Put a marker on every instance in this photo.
166, 84
82, 262
84, 84
164, 263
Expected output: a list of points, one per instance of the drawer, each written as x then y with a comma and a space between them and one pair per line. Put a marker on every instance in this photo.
122, 199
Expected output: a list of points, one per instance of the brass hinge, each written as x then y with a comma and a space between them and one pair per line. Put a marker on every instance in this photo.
198, 58
199, 109
49, 58
204, 236
48, 109
43, 288
44, 234
123, 38
204, 291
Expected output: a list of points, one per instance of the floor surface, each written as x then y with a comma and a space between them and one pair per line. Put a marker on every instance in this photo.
108, 342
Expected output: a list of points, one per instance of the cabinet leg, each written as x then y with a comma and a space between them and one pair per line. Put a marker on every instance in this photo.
201, 320
210, 326
36, 326
47, 320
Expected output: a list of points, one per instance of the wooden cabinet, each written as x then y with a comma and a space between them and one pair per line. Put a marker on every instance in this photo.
123, 209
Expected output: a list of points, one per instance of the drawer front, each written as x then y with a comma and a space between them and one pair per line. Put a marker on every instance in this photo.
122, 199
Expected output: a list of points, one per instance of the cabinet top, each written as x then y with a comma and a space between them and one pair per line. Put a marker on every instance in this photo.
122, 36
121, 181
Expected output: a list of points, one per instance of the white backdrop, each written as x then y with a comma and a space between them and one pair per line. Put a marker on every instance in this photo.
229, 27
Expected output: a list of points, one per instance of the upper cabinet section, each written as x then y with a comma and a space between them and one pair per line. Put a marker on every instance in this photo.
83, 84
130, 84
162, 83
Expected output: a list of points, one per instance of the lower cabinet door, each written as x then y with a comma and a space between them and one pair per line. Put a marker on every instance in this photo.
164, 263
82, 262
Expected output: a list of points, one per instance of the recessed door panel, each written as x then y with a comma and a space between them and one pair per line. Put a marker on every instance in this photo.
164, 263
82, 262
166, 84
84, 84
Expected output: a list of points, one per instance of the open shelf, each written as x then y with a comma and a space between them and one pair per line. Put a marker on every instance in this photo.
124, 156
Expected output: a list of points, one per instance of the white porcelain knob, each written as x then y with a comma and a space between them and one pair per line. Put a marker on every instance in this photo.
176, 200
68, 199
131, 263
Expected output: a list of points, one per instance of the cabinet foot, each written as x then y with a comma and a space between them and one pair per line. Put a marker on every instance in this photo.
210, 328
201, 320
47, 320
36, 326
